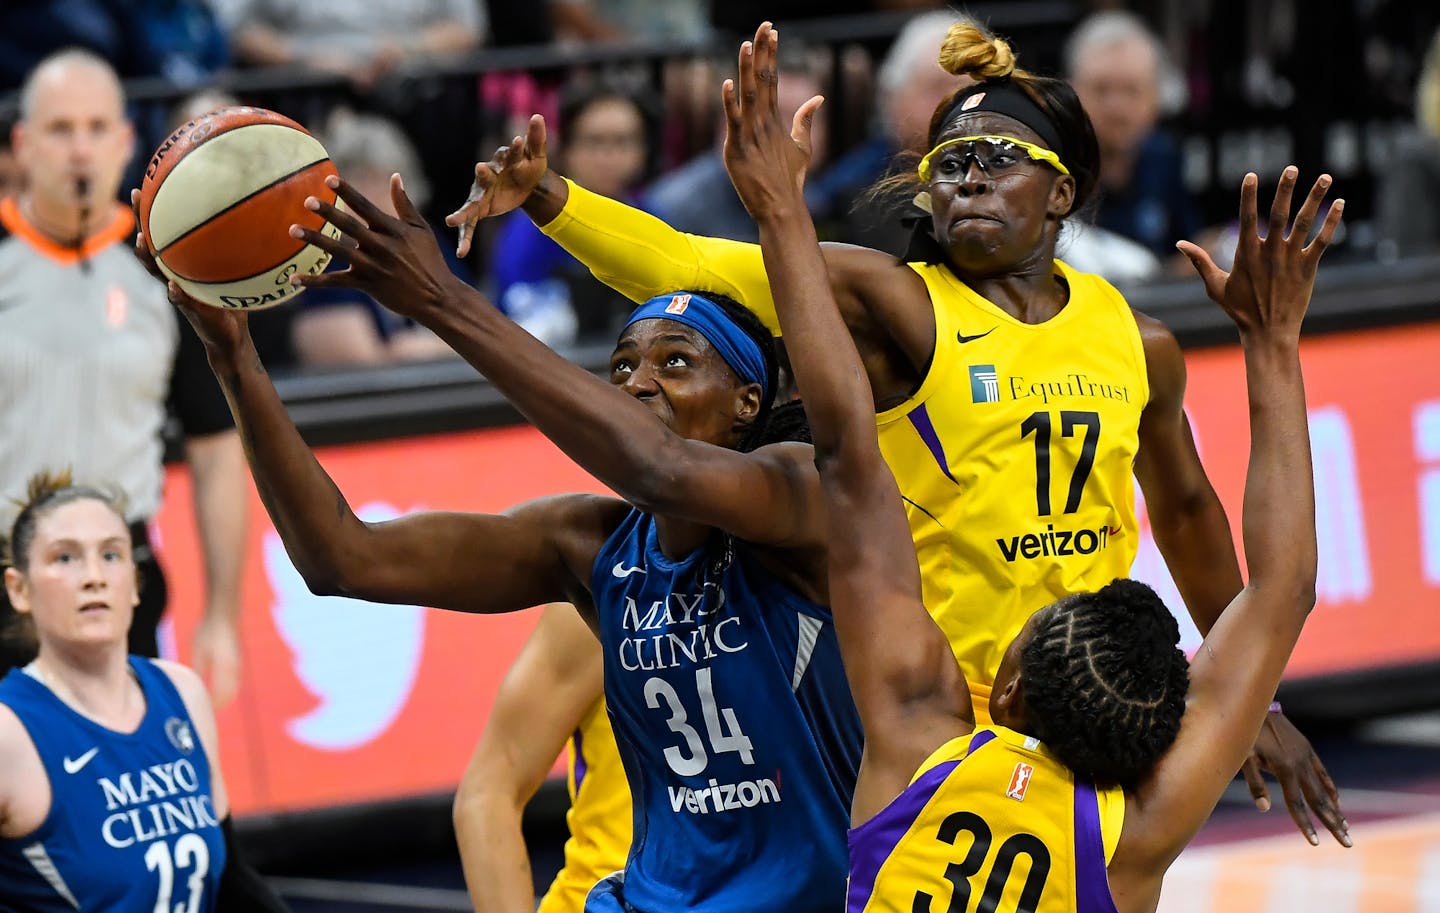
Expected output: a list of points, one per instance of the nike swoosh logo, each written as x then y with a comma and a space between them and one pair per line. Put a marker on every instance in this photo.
621, 571
962, 338
1115, 531
73, 766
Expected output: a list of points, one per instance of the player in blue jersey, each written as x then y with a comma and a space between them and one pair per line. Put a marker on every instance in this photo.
705, 585
111, 796
1037, 813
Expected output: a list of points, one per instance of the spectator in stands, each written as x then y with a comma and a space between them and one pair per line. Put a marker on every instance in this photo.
91, 352
630, 20
180, 40
334, 326
605, 139
1119, 70
30, 30
699, 198
1407, 216
909, 85
362, 41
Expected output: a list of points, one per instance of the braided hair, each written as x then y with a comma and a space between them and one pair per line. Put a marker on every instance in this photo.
1105, 682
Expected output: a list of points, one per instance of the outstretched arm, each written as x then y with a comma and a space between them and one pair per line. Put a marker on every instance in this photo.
554, 681
1240, 663
1193, 534
907, 686
641, 257
534, 554
610, 433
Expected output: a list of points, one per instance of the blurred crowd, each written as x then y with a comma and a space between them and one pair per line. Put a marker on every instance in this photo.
629, 90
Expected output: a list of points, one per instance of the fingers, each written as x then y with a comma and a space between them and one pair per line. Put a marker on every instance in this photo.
731, 103
404, 208
746, 83
1280, 207
1248, 210
462, 244
358, 203
1305, 218
1213, 276
1293, 789
535, 138
804, 121
767, 73
1326, 802
1254, 779
343, 247
1327, 231
344, 221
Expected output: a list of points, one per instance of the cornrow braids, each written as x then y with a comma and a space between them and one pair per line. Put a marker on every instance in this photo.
1105, 682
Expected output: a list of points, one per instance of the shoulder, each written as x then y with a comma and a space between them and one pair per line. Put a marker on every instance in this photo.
188, 683
1164, 361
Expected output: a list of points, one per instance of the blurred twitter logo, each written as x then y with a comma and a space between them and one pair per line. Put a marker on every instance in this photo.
358, 658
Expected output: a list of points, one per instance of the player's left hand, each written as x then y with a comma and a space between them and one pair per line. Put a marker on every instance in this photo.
1285, 753
397, 261
766, 162
215, 657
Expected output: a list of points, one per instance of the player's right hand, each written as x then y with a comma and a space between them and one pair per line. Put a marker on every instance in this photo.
503, 183
1269, 287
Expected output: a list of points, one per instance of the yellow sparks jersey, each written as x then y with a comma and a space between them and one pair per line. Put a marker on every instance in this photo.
600, 817
1015, 460
993, 822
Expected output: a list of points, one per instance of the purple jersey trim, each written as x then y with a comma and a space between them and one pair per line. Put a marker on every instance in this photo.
926, 429
577, 747
872, 842
1092, 886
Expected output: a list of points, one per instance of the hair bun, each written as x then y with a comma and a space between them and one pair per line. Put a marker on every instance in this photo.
969, 51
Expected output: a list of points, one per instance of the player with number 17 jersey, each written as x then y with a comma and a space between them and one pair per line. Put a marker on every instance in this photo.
736, 726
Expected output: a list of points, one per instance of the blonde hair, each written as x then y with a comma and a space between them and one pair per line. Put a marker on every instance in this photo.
969, 51
1427, 90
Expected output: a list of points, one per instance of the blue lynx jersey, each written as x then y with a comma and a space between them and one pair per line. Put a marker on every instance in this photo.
736, 727
131, 827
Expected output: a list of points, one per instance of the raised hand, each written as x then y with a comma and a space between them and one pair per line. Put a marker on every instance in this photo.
766, 163
503, 183
1270, 284
395, 260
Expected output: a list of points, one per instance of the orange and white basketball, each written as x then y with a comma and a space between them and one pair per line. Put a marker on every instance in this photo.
219, 197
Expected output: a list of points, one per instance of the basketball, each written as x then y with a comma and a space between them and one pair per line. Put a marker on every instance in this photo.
219, 197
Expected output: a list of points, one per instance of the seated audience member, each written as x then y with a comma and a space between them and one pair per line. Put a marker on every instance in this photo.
909, 85
698, 197
630, 20
1407, 216
604, 141
179, 40
360, 41
334, 326
1117, 67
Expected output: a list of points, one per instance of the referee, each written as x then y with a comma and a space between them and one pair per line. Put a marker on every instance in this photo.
93, 357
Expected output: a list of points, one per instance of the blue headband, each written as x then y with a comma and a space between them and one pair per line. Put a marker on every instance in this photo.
740, 351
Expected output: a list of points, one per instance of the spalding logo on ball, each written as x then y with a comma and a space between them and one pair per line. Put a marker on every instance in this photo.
218, 200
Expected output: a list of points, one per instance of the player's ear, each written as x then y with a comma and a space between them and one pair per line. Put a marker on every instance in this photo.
16, 590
